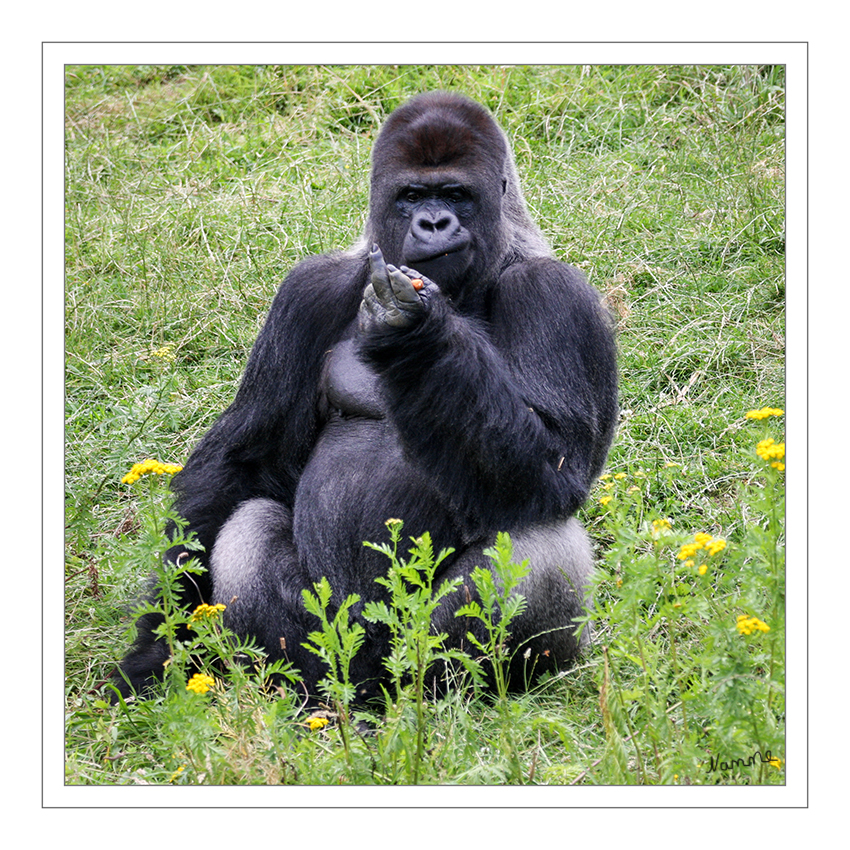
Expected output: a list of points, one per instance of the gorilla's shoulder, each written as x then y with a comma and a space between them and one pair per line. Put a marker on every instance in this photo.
337, 269
323, 282
335, 261
544, 285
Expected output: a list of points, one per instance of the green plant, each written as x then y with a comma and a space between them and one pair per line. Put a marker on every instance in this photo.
149, 551
414, 648
692, 677
336, 644
500, 605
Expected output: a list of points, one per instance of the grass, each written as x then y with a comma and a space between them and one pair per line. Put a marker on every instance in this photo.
190, 191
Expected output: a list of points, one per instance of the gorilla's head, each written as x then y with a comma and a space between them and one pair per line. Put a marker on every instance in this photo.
445, 199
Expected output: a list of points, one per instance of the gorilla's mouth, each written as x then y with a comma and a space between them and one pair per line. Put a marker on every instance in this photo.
422, 258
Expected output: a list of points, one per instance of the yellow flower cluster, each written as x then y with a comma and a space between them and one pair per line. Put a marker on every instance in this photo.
715, 546
764, 413
200, 683
769, 449
609, 481
204, 611
150, 467
317, 723
748, 625
701, 541
166, 353
659, 525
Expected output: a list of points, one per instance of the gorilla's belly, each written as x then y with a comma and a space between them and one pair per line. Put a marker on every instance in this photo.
356, 479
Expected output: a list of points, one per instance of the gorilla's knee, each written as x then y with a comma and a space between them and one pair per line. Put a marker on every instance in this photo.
248, 553
561, 561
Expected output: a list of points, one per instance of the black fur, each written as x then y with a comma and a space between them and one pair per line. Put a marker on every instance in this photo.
488, 406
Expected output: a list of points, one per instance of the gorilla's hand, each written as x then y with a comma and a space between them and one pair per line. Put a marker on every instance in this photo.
394, 297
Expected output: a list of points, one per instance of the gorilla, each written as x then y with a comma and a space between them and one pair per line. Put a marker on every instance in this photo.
446, 370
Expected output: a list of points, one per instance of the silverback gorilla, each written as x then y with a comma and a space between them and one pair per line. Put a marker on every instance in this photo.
447, 371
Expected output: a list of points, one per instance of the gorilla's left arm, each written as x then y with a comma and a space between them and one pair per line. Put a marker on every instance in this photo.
512, 417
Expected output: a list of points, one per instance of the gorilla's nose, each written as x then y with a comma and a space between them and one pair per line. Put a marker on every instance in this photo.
427, 225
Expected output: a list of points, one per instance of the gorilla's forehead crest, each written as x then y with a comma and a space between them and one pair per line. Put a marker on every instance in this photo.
439, 129
437, 141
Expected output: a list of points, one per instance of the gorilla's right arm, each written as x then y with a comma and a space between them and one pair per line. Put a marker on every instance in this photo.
511, 416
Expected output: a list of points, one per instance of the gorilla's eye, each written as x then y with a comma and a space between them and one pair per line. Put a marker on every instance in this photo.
456, 196
411, 196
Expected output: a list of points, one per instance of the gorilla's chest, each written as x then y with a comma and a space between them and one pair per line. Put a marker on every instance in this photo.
351, 387
359, 474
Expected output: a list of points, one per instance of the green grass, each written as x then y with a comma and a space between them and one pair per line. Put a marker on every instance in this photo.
190, 192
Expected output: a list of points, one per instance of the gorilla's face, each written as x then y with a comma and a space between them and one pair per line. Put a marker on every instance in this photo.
438, 242
438, 179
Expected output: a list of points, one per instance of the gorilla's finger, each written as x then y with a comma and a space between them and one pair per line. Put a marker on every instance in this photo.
370, 300
380, 276
426, 286
404, 291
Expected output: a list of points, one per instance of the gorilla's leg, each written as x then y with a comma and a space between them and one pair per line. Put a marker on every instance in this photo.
257, 576
544, 637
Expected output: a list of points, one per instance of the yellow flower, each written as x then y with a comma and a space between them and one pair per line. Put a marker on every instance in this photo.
764, 413
776, 762
605, 499
177, 772
777, 465
716, 546
660, 526
747, 625
317, 723
701, 541
150, 467
687, 551
619, 476
200, 683
165, 353
204, 611
702, 570
769, 449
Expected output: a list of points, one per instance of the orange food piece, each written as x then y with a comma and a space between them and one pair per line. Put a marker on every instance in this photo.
417, 284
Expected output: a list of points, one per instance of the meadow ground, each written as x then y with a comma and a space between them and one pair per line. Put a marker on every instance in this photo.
190, 191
